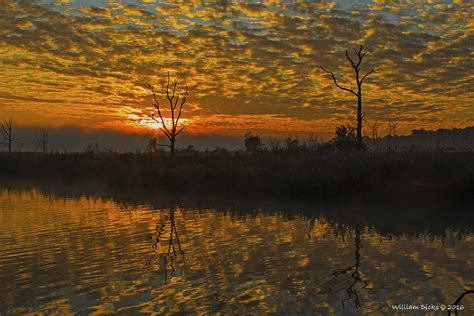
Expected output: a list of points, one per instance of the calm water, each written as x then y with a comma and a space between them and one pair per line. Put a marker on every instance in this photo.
95, 256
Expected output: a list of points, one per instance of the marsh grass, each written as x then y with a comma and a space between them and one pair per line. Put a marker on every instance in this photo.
283, 173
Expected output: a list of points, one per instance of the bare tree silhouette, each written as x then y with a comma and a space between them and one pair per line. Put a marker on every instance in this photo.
392, 126
374, 127
42, 141
356, 64
7, 134
176, 102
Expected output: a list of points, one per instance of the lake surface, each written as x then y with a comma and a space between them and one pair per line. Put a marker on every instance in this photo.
97, 256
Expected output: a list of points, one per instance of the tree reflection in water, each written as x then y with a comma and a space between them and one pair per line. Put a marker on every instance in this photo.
346, 279
173, 260
457, 302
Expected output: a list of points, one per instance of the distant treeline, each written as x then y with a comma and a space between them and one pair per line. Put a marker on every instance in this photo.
422, 140
300, 172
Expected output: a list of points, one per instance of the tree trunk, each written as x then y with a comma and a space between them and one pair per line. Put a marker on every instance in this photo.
172, 141
359, 118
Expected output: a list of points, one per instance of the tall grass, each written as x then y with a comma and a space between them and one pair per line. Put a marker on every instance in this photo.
283, 173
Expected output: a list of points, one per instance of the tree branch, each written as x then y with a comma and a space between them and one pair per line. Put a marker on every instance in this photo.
176, 102
458, 300
5, 133
360, 55
156, 104
366, 75
350, 59
179, 131
164, 130
183, 101
163, 145
335, 81
166, 133
168, 87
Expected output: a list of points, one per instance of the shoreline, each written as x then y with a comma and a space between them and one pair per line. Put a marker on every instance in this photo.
326, 176
389, 217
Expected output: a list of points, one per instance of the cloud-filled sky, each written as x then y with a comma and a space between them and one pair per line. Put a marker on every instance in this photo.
255, 64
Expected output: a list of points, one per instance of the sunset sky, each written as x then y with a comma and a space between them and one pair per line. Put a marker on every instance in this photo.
255, 65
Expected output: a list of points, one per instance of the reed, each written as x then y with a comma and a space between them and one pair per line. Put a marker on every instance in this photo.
285, 173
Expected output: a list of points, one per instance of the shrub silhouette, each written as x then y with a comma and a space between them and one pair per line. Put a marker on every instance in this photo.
252, 142
345, 137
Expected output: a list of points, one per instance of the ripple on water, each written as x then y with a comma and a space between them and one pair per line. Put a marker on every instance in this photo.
89, 255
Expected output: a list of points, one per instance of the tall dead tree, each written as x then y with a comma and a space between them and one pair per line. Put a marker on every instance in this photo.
7, 134
355, 64
42, 141
176, 101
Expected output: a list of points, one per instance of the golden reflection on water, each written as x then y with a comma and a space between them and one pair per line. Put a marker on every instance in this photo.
69, 255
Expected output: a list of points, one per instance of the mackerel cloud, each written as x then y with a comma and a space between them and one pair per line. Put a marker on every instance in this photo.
255, 65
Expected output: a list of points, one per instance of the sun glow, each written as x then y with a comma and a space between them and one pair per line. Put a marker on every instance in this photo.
149, 123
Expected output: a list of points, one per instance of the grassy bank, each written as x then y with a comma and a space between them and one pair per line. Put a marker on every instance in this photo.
300, 173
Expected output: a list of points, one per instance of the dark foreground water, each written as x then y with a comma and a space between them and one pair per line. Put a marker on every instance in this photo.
96, 256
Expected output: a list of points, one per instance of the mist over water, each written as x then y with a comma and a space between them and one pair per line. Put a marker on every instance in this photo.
74, 139
88, 254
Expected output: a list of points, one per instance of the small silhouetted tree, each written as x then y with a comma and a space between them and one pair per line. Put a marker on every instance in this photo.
42, 141
359, 80
7, 134
252, 142
274, 144
374, 127
176, 101
345, 137
92, 148
392, 126
292, 143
